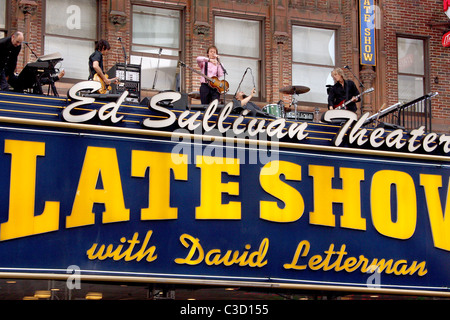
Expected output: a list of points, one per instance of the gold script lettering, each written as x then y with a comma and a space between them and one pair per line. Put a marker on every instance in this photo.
197, 255
118, 253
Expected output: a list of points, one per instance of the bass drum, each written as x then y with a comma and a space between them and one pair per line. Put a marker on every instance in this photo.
273, 109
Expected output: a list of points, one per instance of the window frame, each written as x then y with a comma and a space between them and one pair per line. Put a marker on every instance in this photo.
337, 54
426, 66
44, 34
181, 49
7, 19
262, 54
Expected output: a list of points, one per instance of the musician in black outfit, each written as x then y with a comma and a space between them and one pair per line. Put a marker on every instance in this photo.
9, 50
342, 91
96, 62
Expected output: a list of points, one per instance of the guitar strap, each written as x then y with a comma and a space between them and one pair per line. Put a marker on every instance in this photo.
206, 69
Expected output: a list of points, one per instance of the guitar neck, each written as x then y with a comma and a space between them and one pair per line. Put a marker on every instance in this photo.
197, 72
357, 97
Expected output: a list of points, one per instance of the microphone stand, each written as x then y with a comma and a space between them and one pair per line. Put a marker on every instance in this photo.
157, 68
224, 79
125, 65
243, 76
26, 43
360, 85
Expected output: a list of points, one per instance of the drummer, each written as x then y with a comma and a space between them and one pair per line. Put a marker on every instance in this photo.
242, 101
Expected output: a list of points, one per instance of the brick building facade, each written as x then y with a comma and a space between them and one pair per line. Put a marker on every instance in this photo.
295, 42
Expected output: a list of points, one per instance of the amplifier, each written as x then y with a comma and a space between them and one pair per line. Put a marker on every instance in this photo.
132, 83
301, 115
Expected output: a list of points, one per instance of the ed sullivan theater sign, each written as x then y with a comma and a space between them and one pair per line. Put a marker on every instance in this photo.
124, 202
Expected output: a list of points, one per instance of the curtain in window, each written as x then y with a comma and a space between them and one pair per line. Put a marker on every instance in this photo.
70, 29
156, 29
2, 14
313, 58
411, 69
239, 45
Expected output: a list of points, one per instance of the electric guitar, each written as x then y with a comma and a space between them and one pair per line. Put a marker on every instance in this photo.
105, 88
343, 104
214, 82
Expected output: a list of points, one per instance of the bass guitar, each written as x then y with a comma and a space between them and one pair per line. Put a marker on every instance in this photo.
214, 82
105, 88
343, 104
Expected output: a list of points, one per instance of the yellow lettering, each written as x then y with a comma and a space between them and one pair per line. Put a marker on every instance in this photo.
211, 206
315, 262
405, 222
196, 248
439, 220
338, 261
292, 199
402, 268
216, 260
22, 220
349, 264
420, 268
160, 166
256, 259
368, 56
301, 251
214, 257
325, 196
98, 162
117, 254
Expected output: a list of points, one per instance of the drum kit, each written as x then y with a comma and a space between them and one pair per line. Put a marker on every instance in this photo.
277, 109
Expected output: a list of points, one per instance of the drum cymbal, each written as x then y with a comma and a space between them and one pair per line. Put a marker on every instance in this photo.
194, 95
295, 89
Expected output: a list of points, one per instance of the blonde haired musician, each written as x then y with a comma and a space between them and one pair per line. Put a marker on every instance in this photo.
342, 91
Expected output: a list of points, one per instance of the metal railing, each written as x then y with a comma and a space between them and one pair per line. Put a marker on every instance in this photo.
408, 116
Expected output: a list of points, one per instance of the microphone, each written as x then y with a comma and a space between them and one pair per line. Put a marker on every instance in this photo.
346, 67
120, 39
25, 42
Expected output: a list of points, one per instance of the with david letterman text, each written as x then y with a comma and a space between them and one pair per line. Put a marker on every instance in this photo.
198, 253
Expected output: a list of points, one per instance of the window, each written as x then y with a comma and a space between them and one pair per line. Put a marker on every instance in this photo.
313, 59
156, 45
71, 30
2, 18
411, 69
239, 45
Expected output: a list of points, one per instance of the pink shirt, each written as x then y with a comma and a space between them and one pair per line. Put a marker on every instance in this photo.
213, 70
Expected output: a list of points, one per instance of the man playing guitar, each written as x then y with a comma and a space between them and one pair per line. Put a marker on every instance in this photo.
342, 91
211, 67
96, 71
